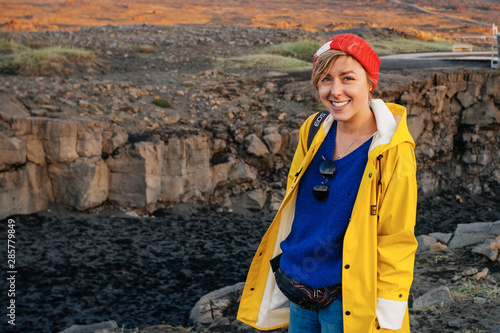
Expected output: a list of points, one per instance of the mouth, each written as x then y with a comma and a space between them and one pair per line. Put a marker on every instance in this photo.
339, 104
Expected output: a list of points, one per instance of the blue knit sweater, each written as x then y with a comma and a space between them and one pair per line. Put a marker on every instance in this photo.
312, 252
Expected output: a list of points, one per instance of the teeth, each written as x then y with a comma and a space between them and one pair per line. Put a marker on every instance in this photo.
338, 105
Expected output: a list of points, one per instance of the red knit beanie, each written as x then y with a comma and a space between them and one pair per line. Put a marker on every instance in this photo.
356, 47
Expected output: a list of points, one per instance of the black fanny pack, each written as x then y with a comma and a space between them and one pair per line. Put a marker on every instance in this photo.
304, 296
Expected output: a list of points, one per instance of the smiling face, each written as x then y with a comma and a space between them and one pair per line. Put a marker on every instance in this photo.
345, 90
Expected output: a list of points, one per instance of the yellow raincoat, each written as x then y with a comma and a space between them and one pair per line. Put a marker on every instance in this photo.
379, 244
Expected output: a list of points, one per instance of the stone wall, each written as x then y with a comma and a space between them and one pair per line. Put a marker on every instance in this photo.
454, 117
84, 164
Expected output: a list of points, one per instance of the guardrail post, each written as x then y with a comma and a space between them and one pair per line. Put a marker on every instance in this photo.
495, 45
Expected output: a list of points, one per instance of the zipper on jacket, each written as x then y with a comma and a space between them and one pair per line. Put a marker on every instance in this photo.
379, 158
379, 183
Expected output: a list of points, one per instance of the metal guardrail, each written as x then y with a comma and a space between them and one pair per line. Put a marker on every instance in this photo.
495, 46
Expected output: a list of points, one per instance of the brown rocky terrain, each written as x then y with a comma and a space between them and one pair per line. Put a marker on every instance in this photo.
228, 134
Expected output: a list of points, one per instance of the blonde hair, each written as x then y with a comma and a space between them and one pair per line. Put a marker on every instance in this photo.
324, 64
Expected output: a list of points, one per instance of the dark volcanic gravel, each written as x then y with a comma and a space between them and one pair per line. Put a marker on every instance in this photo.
83, 269
88, 268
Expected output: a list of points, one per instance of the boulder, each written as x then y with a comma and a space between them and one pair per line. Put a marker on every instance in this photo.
483, 114
12, 152
34, 149
482, 274
81, 184
442, 237
212, 306
255, 146
469, 271
198, 181
135, 174
273, 142
242, 172
294, 139
11, 108
174, 170
221, 171
218, 145
107, 326
112, 138
489, 248
425, 242
59, 140
428, 183
437, 296
438, 247
187, 173
468, 97
435, 97
484, 159
252, 200
24, 190
416, 126
89, 142
152, 154
473, 233
275, 201
456, 87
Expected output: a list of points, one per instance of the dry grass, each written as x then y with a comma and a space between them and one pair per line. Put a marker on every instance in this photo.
263, 61
470, 289
396, 45
20, 59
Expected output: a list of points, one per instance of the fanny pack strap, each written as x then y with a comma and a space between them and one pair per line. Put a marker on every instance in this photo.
275, 262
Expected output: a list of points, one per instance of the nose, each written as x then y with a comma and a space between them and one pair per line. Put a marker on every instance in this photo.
336, 88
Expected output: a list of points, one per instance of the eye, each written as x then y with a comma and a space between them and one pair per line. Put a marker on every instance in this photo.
349, 78
326, 79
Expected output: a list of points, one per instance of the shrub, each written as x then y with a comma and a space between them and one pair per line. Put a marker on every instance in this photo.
163, 103
303, 49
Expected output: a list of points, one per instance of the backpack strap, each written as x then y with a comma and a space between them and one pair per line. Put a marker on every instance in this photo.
318, 120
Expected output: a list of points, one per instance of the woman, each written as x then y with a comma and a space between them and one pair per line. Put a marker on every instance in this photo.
342, 242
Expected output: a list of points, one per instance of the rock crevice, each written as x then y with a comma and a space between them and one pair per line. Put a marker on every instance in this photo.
454, 117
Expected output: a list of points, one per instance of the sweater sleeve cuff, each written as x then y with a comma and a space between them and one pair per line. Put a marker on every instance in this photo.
390, 314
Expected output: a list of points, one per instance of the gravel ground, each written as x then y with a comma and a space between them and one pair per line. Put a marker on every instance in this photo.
85, 268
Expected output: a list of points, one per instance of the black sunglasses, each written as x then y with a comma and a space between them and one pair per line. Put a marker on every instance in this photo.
327, 169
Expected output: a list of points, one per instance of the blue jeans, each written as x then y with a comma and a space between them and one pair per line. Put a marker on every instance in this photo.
327, 320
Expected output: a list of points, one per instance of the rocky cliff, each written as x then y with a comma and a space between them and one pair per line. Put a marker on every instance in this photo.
453, 116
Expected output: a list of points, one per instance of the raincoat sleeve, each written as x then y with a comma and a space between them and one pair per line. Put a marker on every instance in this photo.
396, 243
